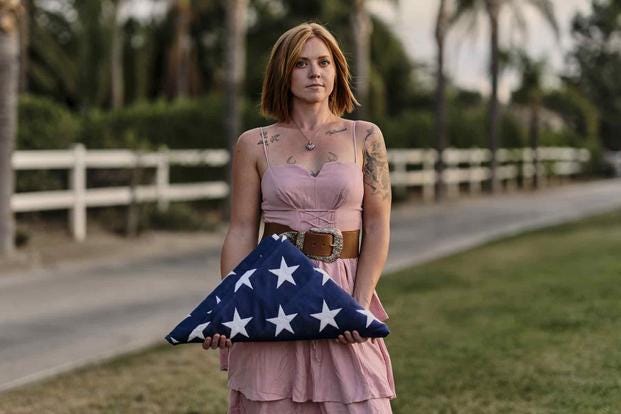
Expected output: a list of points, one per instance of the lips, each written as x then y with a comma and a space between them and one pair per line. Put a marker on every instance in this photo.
313, 85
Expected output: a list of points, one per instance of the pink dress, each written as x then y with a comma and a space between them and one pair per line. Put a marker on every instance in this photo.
318, 376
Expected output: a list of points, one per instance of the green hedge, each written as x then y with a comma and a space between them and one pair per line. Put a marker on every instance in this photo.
44, 124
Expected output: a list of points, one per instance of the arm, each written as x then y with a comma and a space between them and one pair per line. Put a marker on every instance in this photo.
375, 214
242, 235
243, 232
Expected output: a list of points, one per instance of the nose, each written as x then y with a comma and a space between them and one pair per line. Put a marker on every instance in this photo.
313, 71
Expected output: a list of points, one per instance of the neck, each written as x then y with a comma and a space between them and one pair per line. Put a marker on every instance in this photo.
310, 116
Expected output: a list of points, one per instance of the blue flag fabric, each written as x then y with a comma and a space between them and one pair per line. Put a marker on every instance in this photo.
276, 294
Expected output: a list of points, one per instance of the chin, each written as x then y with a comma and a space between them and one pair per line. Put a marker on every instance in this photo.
312, 99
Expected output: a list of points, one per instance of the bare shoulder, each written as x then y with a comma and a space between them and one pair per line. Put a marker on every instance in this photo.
370, 137
248, 145
250, 138
367, 132
375, 160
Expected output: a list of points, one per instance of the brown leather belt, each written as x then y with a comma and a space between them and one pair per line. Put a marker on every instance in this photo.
321, 243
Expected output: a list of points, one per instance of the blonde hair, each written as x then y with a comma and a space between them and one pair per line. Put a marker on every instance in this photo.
276, 93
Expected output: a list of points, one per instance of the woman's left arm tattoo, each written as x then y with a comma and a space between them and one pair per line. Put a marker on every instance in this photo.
376, 171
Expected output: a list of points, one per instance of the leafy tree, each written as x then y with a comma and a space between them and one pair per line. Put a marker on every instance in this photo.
596, 64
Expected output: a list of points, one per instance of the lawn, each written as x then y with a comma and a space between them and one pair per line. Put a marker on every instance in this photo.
529, 324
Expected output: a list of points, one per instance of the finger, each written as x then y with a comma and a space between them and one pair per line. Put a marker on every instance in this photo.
207, 342
349, 337
358, 338
214, 341
222, 341
372, 340
228, 343
342, 339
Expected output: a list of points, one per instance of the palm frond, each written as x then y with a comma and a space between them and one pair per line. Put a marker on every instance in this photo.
546, 8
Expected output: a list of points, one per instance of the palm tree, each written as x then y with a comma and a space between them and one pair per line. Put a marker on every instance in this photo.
9, 79
361, 25
117, 87
492, 9
442, 27
182, 74
24, 40
235, 67
530, 93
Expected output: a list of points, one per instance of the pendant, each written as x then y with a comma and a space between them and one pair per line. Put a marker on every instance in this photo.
310, 146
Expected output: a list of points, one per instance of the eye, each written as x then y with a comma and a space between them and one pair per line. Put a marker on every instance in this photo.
300, 64
324, 62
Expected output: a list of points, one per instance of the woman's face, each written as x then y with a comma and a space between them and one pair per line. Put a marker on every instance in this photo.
312, 79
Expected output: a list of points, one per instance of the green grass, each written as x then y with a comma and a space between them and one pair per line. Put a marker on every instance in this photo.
529, 324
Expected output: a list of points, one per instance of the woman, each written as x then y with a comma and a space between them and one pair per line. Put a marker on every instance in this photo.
311, 169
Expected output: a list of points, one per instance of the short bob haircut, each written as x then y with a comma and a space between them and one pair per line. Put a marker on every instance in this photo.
276, 94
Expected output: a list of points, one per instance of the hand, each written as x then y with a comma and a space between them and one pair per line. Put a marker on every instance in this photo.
218, 341
352, 337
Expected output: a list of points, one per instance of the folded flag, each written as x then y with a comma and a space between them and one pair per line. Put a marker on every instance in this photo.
276, 294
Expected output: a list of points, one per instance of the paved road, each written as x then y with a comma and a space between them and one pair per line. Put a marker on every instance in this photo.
59, 319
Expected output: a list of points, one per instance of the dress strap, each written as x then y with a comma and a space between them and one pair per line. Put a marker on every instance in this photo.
355, 149
263, 139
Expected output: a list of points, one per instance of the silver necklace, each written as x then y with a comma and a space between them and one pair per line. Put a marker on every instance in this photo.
309, 145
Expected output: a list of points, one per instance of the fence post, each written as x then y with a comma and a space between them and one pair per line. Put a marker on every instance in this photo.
528, 168
78, 185
451, 177
162, 178
542, 162
475, 157
429, 174
512, 158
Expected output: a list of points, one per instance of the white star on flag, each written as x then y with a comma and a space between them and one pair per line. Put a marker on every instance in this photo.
326, 316
245, 279
237, 325
282, 321
284, 273
218, 300
198, 331
369, 315
326, 276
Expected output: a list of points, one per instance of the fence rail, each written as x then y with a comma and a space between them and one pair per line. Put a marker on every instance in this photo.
463, 166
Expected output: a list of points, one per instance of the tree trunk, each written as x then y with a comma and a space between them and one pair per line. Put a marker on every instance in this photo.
184, 45
235, 70
24, 41
178, 69
440, 116
492, 119
361, 24
533, 132
9, 79
116, 58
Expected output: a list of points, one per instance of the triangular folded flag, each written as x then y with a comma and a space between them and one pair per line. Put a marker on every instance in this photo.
276, 294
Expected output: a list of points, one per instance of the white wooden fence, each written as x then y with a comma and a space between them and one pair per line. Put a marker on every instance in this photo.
463, 166
468, 167
613, 158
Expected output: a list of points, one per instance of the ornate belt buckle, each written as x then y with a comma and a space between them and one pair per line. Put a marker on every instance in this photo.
291, 235
337, 243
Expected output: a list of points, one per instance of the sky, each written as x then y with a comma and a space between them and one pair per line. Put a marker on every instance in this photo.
467, 54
